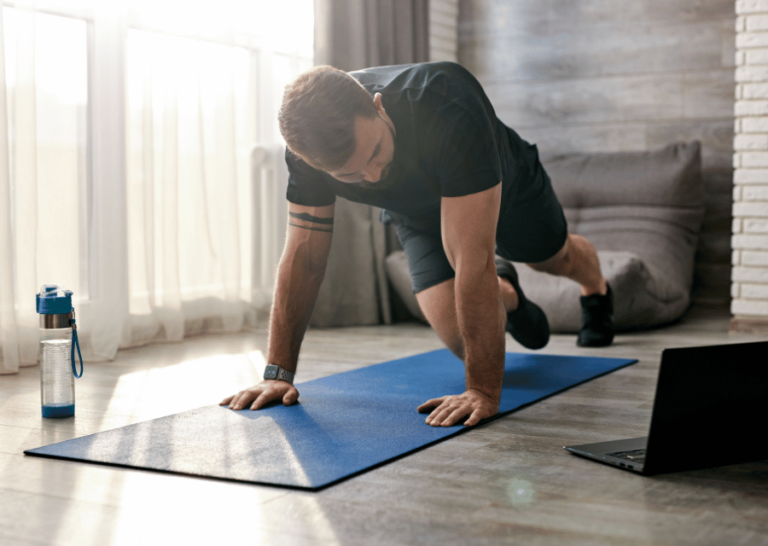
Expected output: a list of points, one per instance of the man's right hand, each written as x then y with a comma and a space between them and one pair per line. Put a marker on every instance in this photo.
263, 393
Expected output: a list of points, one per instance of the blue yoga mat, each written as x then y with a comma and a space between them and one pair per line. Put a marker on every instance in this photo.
344, 424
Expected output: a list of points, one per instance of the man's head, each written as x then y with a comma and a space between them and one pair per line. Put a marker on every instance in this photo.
331, 122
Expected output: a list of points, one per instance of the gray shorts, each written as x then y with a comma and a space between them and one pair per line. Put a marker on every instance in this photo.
531, 229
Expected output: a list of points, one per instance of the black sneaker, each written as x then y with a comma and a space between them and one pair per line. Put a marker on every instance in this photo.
527, 323
596, 320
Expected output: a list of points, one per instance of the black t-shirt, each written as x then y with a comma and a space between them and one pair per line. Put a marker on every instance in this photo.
448, 143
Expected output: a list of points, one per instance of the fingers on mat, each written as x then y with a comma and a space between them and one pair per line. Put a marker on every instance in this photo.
262, 399
429, 405
437, 417
243, 398
455, 416
473, 419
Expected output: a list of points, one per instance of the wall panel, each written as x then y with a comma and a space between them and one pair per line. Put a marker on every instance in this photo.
607, 75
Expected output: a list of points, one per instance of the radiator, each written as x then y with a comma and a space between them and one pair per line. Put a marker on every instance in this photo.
269, 176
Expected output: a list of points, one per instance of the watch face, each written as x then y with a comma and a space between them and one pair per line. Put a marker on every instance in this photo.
270, 372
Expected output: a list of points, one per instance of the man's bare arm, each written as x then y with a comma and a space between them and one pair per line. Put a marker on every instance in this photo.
299, 275
469, 234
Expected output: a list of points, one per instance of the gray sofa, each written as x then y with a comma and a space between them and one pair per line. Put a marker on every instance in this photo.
641, 210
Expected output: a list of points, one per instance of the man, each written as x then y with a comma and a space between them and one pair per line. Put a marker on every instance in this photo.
424, 143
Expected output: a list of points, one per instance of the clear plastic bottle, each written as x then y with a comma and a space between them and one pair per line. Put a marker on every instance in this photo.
57, 366
57, 382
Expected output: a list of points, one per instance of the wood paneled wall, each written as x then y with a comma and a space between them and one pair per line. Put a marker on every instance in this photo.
443, 30
611, 75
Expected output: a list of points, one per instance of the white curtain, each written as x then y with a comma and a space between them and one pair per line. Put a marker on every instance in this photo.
24, 200
188, 186
9, 347
127, 167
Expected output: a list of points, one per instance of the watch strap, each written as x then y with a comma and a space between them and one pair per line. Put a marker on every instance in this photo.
282, 374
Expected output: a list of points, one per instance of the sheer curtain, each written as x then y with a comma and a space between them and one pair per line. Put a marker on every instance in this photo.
9, 348
127, 175
42, 133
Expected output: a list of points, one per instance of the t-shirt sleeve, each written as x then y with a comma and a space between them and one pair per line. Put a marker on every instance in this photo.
306, 185
467, 155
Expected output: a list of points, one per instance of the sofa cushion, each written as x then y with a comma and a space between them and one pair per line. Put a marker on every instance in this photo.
642, 211
641, 296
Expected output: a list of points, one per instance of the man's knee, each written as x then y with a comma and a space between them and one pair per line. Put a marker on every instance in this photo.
559, 264
438, 304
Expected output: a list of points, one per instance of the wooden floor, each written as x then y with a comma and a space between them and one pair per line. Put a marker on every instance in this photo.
508, 482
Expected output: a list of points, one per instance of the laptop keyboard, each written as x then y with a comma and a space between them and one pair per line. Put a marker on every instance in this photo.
636, 455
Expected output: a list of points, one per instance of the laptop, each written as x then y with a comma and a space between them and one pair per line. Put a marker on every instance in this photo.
710, 409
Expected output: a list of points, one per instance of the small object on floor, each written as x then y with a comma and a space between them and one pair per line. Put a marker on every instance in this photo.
597, 328
527, 324
344, 424
58, 340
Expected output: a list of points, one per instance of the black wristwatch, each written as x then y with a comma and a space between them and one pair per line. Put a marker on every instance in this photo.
273, 371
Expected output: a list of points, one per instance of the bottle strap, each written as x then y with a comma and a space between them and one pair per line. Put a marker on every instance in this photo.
75, 343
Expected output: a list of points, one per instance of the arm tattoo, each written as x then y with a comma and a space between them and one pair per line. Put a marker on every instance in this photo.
302, 226
309, 218
313, 223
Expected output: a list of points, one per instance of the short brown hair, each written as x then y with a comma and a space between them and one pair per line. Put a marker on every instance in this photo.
317, 116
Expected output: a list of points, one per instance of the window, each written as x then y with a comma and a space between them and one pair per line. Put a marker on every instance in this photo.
131, 126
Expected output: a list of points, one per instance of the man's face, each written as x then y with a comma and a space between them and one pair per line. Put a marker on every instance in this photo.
373, 154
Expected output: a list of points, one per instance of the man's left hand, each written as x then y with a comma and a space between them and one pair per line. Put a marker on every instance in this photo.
449, 410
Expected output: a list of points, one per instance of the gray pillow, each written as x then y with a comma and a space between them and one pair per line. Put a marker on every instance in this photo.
642, 211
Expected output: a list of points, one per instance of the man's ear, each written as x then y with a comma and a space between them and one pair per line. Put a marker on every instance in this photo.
379, 105
382, 113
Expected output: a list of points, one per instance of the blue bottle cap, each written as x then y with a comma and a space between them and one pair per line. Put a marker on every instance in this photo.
54, 300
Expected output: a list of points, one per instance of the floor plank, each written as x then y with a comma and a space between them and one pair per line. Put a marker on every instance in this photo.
508, 482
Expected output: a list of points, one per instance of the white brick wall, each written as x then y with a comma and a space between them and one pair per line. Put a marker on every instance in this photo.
750, 209
744, 7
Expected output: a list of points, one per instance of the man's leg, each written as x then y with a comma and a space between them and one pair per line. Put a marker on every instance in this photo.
577, 260
438, 303
433, 282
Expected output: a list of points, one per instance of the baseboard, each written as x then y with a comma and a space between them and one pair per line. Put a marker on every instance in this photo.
749, 325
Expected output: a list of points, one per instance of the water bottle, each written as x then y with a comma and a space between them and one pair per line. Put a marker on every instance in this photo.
58, 339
